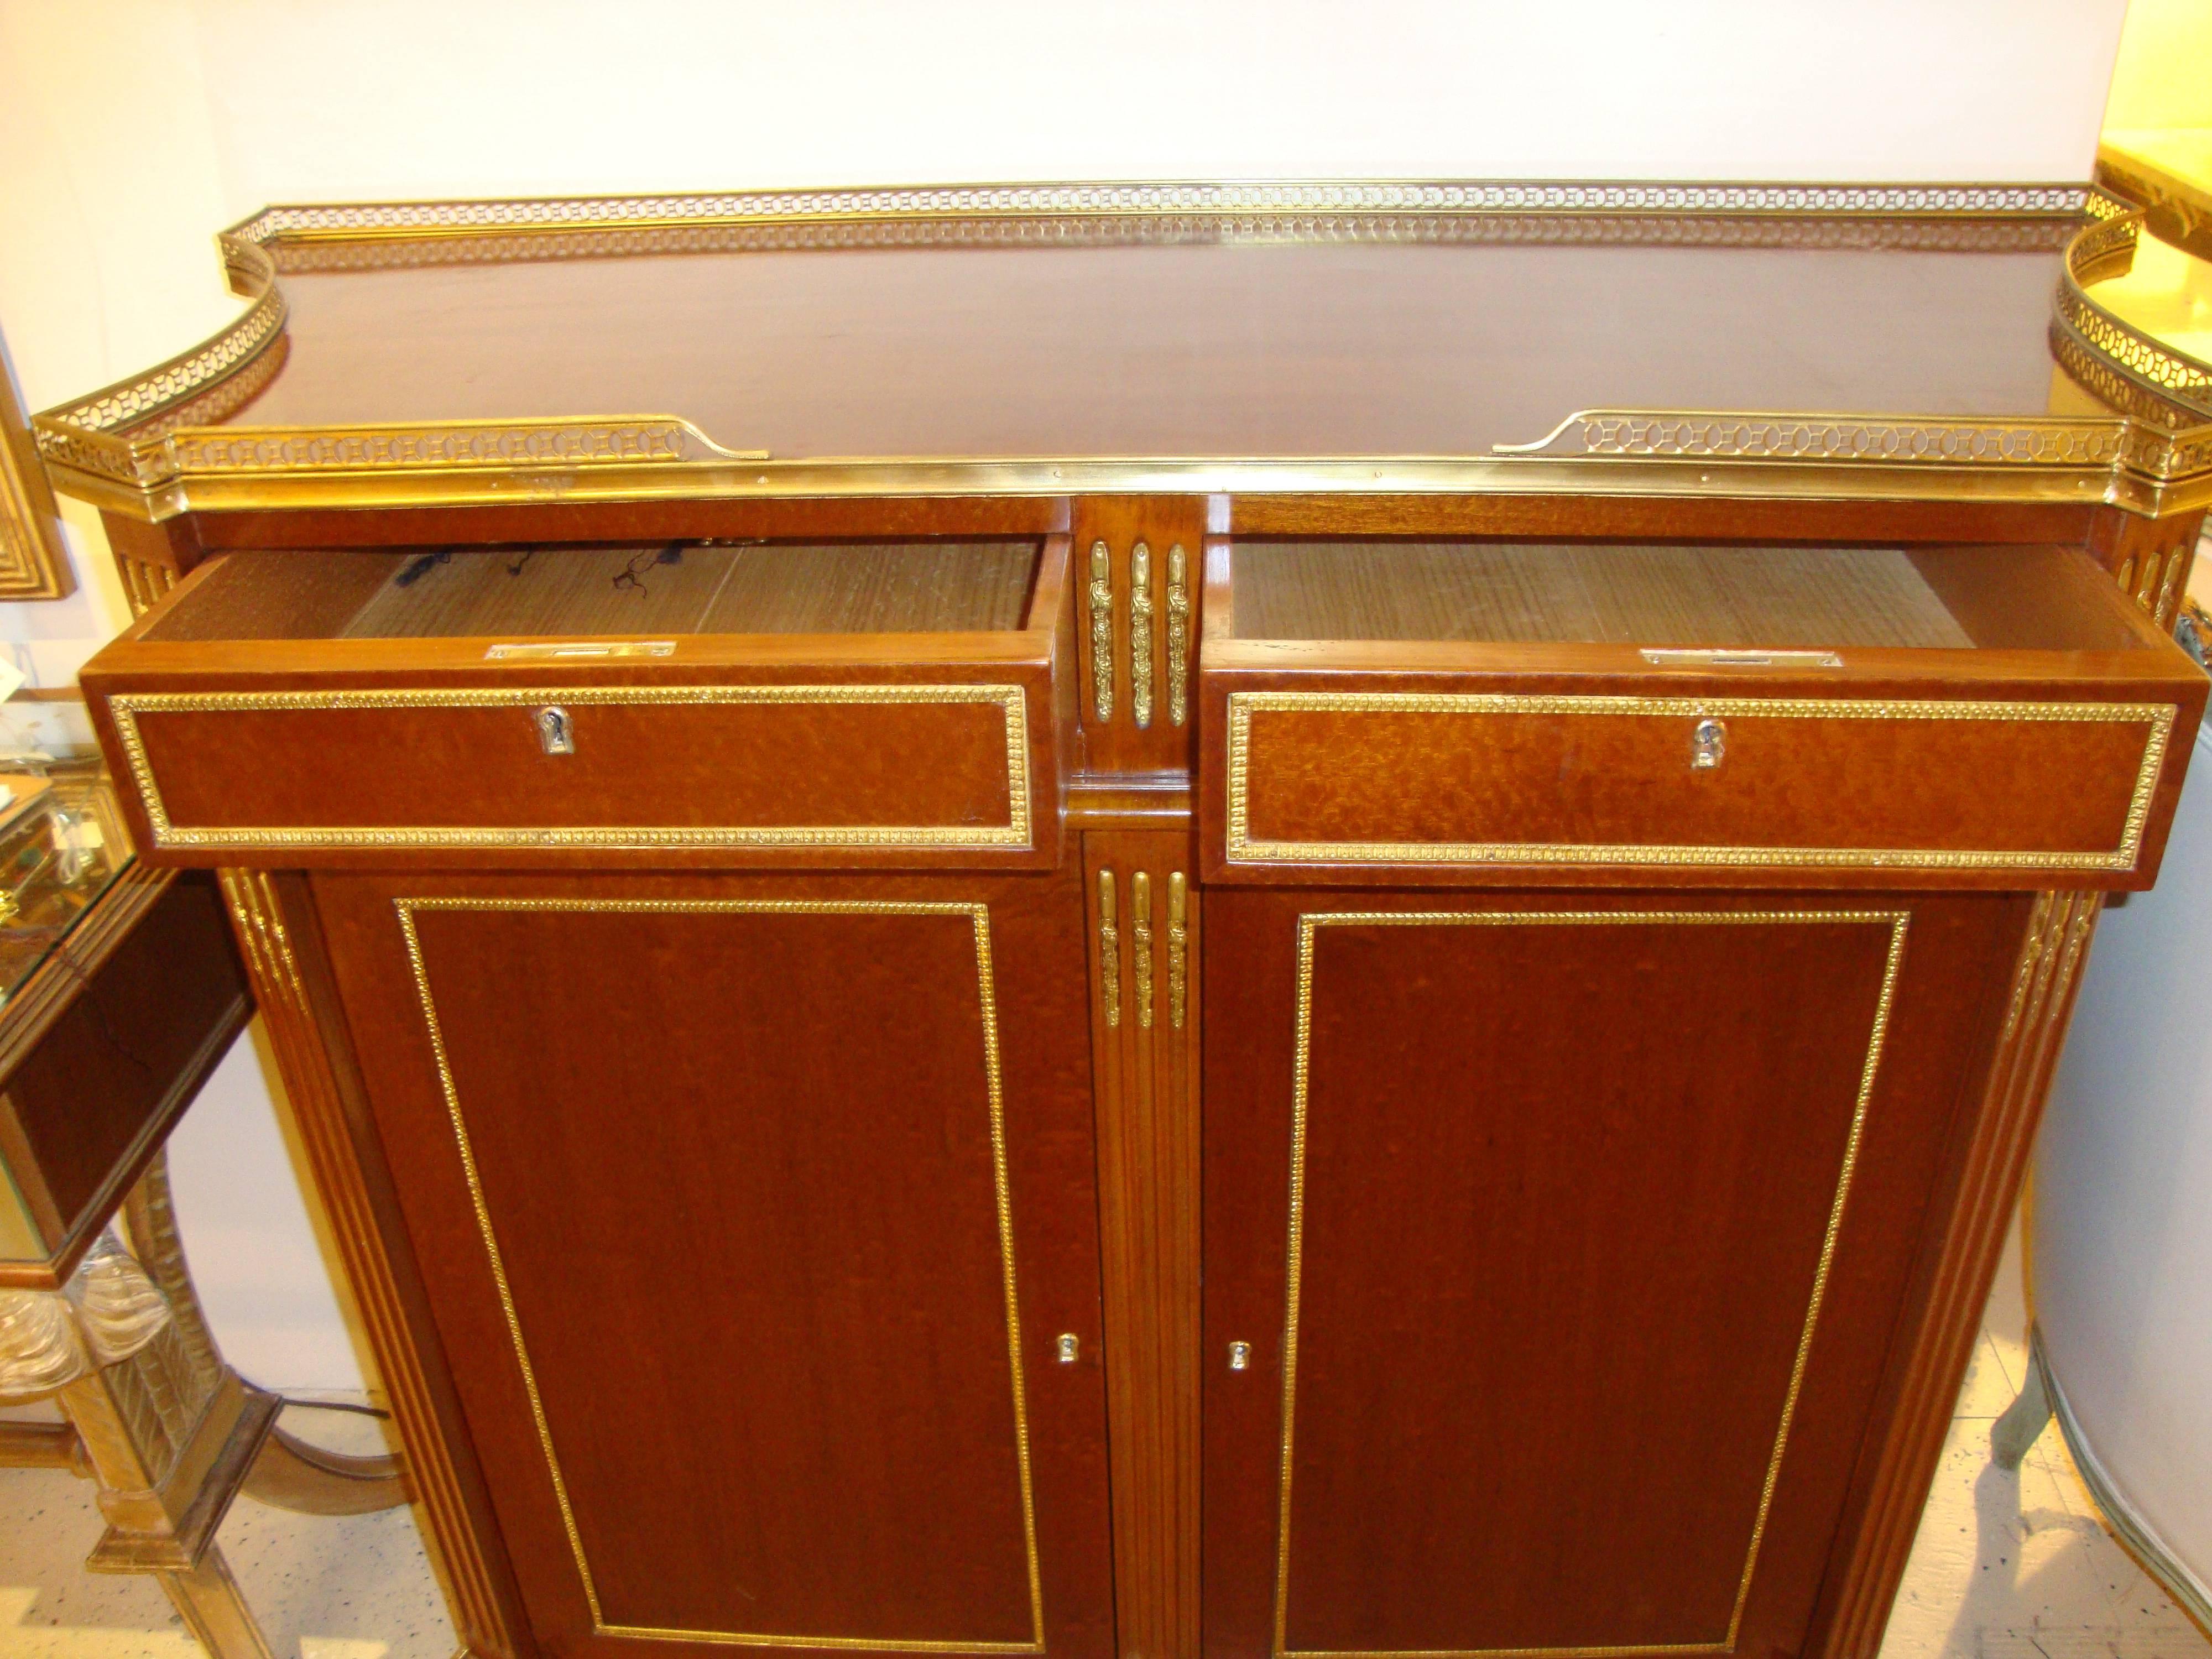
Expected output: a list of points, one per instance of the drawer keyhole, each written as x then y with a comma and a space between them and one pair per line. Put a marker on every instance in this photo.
555, 734
1708, 743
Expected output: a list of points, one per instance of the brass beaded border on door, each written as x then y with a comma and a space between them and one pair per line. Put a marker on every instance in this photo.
1241, 848
1309, 926
126, 707
980, 916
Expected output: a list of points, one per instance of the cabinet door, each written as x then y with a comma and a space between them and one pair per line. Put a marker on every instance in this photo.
756, 1214
1568, 1237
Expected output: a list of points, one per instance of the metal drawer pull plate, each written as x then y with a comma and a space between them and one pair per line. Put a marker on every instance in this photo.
1110, 951
1101, 597
1069, 1344
1673, 657
1708, 743
555, 734
1140, 635
1240, 1355
561, 650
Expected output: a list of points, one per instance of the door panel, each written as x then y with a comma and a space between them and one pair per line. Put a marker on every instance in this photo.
753, 1211
1566, 1239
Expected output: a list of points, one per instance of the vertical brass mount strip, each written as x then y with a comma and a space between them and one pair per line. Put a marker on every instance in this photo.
1101, 596
2169, 598
1140, 944
1178, 639
1140, 635
1110, 951
1178, 944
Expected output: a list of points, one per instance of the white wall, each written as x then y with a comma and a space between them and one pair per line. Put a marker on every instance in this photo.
133, 129
523, 98
136, 128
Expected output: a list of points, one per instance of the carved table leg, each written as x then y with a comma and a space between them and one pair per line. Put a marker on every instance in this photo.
215, 1609
130, 1416
291, 1473
2025, 1419
295, 1474
169, 1432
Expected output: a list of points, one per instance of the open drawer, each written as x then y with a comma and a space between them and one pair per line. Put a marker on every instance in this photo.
1675, 715
697, 703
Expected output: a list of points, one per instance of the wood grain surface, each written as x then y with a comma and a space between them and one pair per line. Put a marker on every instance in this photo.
1547, 593
1565, 1182
1145, 1043
1294, 349
757, 1198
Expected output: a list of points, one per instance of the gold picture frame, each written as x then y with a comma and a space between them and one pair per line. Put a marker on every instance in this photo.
32, 564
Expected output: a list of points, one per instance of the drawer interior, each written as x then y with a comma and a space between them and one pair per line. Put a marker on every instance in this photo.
1716, 597
672, 588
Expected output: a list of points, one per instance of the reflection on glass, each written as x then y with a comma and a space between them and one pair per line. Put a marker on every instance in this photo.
62, 843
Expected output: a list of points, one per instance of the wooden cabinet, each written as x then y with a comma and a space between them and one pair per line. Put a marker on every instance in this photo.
758, 1213
1556, 1241
1565, 1238
1109, 1007
1591, 1040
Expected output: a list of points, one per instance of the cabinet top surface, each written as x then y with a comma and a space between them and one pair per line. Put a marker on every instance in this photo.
1041, 339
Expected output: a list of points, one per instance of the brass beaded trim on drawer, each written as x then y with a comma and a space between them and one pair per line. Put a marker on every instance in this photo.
1243, 849
126, 707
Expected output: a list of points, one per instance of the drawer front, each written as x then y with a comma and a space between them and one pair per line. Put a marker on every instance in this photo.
917, 773
1995, 792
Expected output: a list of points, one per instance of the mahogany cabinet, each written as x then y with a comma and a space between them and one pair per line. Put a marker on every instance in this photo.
1163, 989
756, 1212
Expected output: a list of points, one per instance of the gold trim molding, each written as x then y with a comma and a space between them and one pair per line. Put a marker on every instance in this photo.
33, 563
979, 916
149, 446
1909, 441
2176, 388
126, 707
1309, 926
1243, 848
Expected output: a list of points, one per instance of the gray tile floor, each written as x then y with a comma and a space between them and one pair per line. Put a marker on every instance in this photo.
356, 1588
2010, 1565
2005, 1566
